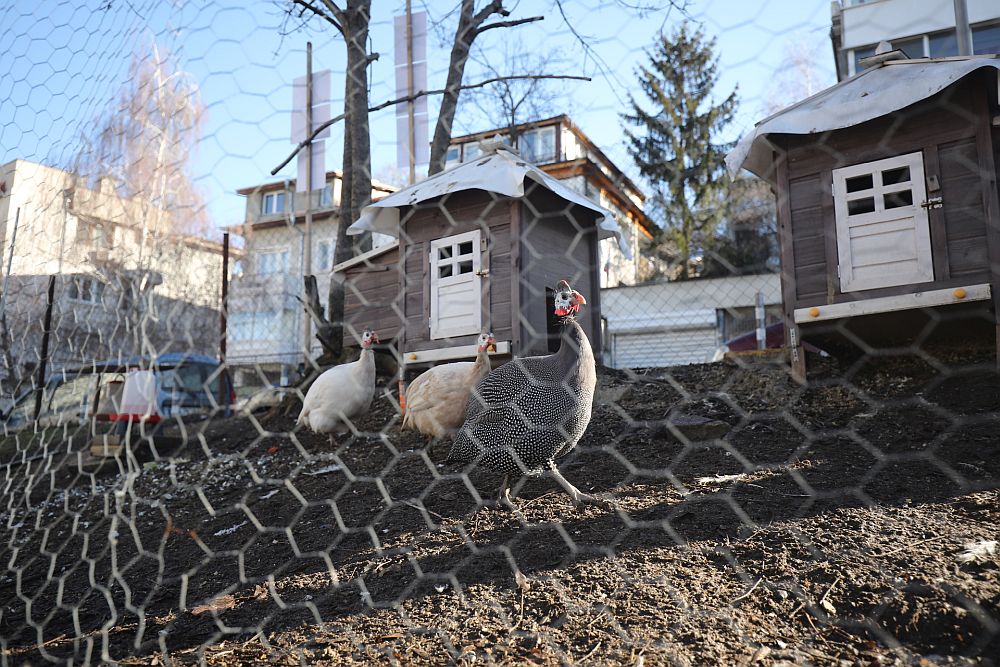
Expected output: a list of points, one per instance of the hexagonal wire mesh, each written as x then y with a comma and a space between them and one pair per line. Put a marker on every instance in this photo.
765, 432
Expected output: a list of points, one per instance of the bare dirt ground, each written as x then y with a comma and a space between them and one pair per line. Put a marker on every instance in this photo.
827, 527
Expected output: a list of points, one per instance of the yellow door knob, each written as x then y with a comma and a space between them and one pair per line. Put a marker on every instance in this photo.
960, 293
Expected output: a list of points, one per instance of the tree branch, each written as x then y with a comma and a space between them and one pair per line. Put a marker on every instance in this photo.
420, 93
508, 24
337, 12
305, 4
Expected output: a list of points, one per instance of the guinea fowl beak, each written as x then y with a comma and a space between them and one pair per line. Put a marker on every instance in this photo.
578, 299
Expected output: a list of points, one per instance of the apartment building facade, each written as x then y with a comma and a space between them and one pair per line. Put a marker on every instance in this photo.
126, 283
920, 28
265, 336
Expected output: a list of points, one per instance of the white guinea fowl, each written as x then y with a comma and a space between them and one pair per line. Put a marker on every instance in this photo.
435, 400
342, 393
531, 411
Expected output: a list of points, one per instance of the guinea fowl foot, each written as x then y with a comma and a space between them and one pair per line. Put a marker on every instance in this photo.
504, 497
578, 496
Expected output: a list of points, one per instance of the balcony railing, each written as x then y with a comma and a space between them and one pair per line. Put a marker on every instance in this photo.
272, 291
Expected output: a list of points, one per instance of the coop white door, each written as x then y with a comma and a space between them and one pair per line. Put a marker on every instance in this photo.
883, 237
456, 285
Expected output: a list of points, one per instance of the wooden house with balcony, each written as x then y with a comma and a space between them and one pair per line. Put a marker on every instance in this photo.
558, 147
479, 246
887, 197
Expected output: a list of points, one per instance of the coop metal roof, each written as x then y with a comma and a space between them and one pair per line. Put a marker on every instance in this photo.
500, 170
873, 93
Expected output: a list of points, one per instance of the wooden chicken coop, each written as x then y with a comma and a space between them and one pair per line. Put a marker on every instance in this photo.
478, 247
887, 194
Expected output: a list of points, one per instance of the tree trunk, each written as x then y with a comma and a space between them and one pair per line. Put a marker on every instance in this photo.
464, 35
356, 186
470, 24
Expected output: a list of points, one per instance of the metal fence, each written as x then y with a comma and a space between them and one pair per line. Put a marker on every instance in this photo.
772, 441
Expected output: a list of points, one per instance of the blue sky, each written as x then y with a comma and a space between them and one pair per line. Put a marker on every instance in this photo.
62, 63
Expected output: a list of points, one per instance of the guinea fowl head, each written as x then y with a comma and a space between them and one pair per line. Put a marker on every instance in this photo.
368, 338
567, 300
487, 341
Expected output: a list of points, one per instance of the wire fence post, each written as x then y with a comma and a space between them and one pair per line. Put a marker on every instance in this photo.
43, 359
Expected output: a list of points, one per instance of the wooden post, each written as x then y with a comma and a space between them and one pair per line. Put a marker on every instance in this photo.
43, 358
307, 250
761, 322
224, 317
793, 340
962, 31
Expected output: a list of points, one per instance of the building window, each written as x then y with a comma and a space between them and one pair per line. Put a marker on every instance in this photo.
942, 44
324, 255
883, 238
913, 47
471, 151
273, 203
93, 234
453, 156
538, 145
87, 290
326, 196
272, 262
257, 325
986, 39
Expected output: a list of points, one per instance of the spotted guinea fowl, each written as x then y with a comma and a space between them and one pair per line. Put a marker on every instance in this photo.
435, 400
342, 393
530, 411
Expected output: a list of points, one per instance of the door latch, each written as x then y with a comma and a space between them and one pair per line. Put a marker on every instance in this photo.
483, 272
932, 202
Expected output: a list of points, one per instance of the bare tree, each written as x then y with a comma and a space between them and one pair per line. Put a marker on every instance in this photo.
510, 101
471, 24
134, 171
144, 146
799, 75
351, 20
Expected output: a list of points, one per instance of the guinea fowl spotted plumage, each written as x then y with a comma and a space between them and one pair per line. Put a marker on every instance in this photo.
530, 411
342, 393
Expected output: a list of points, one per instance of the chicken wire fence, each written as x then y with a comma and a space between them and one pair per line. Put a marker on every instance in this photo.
766, 433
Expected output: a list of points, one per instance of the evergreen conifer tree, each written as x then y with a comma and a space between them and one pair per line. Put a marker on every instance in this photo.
675, 142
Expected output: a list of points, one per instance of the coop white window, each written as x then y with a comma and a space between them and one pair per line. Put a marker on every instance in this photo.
456, 285
883, 238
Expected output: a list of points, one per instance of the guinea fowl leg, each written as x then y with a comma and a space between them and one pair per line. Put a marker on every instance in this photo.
504, 496
576, 494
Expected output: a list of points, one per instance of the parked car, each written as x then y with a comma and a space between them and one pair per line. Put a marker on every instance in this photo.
176, 385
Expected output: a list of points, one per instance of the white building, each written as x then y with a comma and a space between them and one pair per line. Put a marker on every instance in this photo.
683, 322
266, 316
561, 149
921, 28
127, 284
